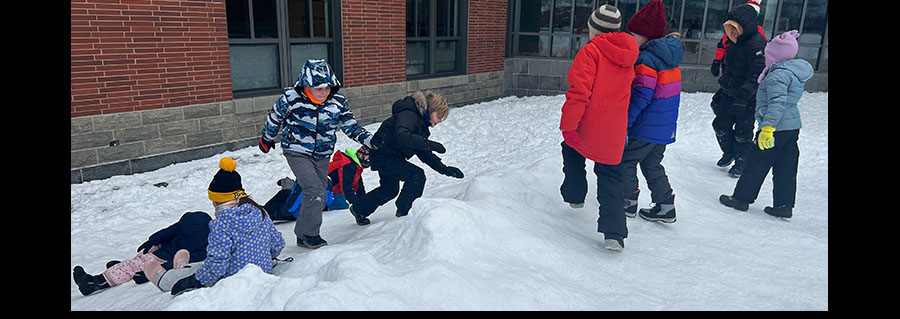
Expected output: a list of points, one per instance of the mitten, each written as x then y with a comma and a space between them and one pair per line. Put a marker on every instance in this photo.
766, 139
145, 247
435, 146
265, 145
571, 138
186, 284
716, 66
453, 172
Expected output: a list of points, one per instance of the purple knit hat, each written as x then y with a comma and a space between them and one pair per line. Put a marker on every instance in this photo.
782, 47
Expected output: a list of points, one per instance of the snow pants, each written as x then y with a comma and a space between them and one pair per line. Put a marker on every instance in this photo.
391, 171
125, 270
649, 156
733, 127
312, 176
609, 191
783, 160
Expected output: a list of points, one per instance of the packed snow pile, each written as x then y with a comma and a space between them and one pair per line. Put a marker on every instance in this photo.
499, 239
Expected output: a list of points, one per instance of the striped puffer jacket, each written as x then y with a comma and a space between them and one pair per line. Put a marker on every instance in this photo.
656, 91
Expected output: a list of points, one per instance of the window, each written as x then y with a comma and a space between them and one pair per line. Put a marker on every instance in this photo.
434, 38
546, 28
270, 40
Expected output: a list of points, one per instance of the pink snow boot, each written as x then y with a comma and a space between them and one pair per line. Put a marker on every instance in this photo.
182, 257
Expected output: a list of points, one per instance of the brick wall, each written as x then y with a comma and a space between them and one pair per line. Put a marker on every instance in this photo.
487, 36
131, 55
374, 40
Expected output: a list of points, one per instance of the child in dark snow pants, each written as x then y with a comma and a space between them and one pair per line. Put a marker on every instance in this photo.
781, 85
594, 120
400, 137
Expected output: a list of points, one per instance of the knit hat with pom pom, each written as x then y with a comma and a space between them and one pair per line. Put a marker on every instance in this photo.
226, 185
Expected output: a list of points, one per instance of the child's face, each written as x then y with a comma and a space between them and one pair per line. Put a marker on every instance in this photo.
319, 93
435, 119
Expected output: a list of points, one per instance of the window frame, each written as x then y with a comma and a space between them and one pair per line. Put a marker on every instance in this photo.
284, 42
433, 39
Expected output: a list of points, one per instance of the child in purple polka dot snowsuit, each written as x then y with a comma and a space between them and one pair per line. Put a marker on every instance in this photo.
238, 236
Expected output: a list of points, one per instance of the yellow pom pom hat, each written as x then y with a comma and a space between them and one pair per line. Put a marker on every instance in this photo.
226, 185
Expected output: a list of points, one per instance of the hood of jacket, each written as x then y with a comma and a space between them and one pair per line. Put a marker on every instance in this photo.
667, 49
244, 218
419, 106
800, 67
317, 74
746, 17
619, 48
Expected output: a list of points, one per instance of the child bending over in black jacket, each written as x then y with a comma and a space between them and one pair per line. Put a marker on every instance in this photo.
400, 137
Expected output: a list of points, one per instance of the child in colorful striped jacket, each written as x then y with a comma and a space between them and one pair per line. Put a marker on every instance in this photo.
652, 112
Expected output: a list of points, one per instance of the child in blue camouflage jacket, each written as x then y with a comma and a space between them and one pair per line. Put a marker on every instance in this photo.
311, 112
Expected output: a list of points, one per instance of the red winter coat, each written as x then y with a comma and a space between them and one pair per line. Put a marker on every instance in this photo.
597, 100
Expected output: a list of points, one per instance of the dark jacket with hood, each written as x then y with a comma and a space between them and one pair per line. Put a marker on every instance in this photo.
190, 232
405, 134
745, 58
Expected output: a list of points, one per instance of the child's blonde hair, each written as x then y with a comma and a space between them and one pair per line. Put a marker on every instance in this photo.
437, 104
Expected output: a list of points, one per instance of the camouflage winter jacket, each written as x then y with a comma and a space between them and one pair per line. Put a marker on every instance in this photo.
310, 128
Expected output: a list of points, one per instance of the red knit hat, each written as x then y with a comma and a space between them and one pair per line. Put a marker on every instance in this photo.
649, 21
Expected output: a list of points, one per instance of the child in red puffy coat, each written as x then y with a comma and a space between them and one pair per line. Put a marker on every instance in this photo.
595, 118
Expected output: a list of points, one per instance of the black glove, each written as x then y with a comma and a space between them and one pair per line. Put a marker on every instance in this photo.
265, 145
453, 172
185, 285
716, 65
145, 246
435, 146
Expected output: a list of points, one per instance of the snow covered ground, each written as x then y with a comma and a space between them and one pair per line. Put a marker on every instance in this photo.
499, 239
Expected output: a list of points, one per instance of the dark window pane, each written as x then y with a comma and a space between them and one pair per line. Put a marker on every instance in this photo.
577, 44
422, 21
442, 12
298, 19
715, 17
628, 8
445, 56
693, 19
321, 10
534, 15
814, 24
264, 19
673, 14
583, 11
300, 53
253, 66
416, 58
791, 11
562, 16
767, 10
410, 18
532, 45
237, 14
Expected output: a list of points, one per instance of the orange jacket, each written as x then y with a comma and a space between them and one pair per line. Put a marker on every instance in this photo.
596, 104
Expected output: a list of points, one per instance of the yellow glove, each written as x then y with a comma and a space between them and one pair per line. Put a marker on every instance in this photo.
766, 140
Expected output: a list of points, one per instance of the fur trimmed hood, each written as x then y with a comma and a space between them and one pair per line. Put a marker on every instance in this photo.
421, 103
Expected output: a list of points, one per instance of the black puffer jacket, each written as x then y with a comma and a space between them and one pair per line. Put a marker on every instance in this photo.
191, 232
405, 134
745, 59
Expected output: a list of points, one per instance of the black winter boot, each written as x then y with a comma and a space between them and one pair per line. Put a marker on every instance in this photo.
311, 242
782, 211
726, 160
88, 284
730, 201
661, 212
